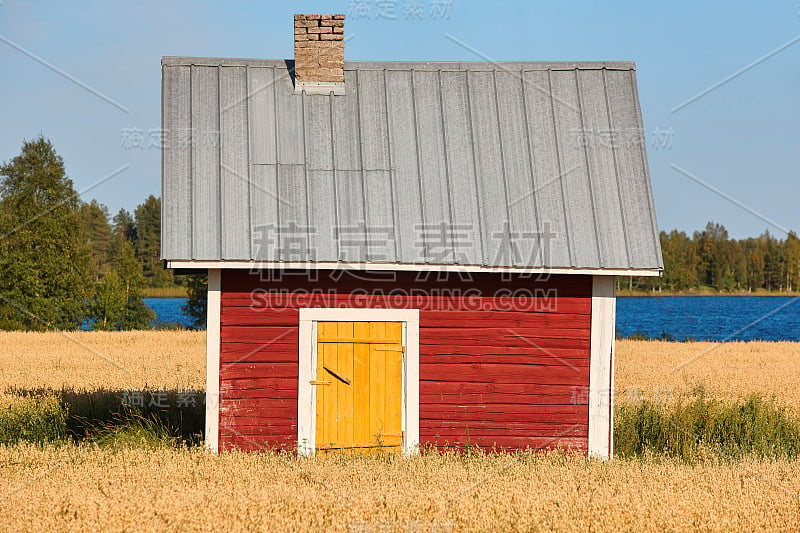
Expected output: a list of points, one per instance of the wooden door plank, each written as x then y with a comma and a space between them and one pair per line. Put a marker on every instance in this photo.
331, 396
377, 382
394, 332
394, 383
361, 388
344, 368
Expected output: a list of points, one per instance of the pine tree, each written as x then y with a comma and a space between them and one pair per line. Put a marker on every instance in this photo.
124, 227
148, 242
95, 221
45, 258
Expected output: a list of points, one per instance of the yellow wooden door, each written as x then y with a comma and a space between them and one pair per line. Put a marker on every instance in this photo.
359, 386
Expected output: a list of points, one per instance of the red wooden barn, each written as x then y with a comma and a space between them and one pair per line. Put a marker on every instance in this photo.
406, 254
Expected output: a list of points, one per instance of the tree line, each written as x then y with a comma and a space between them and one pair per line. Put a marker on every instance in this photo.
66, 263
711, 260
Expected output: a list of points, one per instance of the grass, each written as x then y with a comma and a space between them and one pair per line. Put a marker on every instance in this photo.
35, 420
47, 416
130, 429
165, 292
695, 427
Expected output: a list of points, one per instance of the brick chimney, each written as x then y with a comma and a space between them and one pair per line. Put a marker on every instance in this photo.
319, 53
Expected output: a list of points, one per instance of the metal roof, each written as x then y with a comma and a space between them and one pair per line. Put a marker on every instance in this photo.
486, 164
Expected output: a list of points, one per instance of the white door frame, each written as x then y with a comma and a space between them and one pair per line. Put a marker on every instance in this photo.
306, 393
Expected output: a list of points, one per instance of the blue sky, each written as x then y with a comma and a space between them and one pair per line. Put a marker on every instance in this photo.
742, 138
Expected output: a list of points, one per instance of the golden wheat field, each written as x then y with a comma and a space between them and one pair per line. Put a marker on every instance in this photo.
82, 487
725, 370
92, 359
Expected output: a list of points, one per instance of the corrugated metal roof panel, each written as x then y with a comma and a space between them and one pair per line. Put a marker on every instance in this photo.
350, 233
490, 171
176, 164
234, 162
463, 189
405, 160
206, 168
322, 203
602, 171
516, 162
346, 139
267, 205
379, 216
548, 176
486, 164
261, 106
577, 186
435, 230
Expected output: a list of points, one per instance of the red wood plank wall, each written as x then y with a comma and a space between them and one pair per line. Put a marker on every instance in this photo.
504, 360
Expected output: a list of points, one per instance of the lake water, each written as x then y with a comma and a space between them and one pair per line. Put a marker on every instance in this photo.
718, 318
168, 310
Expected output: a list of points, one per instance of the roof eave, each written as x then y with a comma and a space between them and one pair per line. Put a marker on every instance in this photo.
413, 267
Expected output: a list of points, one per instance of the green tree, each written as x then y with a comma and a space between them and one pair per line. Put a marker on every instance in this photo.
196, 305
714, 255
124, 227
773, 263
791, 254
738, 265
109, 302
755, 252
118, 303
148, 242
45, 258
98, 230
680, 261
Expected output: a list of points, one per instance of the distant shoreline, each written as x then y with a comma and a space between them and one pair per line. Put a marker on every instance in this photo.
650, 294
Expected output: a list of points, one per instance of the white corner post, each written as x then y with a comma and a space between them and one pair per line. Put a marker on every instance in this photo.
601, 370
212, 359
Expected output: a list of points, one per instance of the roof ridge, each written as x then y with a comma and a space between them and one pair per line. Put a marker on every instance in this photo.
408, 65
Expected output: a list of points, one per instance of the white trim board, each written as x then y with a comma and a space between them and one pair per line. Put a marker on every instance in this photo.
601, 369
306, 394
335, 265
212, 359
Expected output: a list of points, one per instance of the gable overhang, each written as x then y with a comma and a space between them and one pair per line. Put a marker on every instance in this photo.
337, 265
